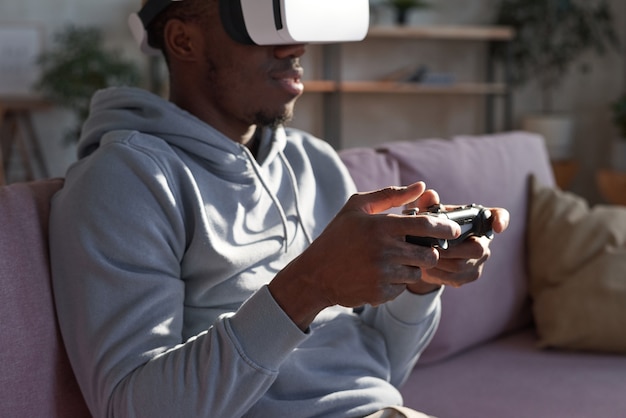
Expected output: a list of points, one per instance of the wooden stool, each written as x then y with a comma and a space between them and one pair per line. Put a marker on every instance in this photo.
16, 129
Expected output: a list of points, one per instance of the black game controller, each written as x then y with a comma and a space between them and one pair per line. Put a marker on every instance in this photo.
474, 220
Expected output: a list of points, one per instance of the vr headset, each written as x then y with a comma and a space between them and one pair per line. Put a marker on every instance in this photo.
273, 22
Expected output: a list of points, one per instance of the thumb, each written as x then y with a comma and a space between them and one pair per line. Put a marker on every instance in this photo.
387, 198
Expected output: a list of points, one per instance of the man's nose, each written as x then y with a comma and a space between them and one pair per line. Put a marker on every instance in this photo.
289, 51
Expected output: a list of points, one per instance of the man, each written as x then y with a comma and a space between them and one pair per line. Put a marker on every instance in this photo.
206, 260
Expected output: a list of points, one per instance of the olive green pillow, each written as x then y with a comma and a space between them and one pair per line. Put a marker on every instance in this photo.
577, 267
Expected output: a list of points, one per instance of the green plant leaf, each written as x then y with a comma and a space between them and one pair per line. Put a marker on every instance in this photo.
77, 67
551, 36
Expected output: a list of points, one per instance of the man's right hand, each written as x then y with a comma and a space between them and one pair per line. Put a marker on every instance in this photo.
362, 256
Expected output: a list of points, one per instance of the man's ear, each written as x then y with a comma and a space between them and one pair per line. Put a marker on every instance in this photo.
182, 40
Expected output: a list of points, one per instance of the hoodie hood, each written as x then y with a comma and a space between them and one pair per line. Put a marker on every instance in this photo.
123, 111
120, 109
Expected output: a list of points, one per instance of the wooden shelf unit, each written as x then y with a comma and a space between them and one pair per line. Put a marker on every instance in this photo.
333, 86
416, 88
443, 32
321, 86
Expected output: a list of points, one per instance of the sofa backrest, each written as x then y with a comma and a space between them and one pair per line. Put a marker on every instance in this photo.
491, 170
36, 378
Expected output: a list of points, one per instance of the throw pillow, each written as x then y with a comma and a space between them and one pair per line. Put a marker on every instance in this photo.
577, 266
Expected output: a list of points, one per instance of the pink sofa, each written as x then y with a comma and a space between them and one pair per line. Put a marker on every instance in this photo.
483, 361
36, 378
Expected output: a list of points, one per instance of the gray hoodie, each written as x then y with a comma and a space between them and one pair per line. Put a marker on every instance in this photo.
162, 242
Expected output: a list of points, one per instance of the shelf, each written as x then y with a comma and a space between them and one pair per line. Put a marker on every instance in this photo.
417, 88
322, 86
442, 32
334, 84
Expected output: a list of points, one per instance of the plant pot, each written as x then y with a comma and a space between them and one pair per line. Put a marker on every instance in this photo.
557, 131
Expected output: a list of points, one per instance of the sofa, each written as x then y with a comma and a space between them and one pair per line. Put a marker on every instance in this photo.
487, 359
543, 332
36, 378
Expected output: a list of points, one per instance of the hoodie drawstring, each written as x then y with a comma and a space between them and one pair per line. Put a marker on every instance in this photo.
277, 204
275, 201
294, 188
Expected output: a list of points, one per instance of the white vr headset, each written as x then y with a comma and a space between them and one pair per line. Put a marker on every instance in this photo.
274, 22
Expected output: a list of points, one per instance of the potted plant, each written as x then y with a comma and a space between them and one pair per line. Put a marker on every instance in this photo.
551, 36
77, 67
618, 153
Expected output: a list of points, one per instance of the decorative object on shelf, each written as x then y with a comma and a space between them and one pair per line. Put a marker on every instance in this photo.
77, 67
403, 7
552, 35
618, 152
420, 74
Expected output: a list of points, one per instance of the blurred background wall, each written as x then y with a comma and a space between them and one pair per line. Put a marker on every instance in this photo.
369, 119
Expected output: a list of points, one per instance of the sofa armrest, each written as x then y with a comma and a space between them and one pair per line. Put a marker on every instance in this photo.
36, 378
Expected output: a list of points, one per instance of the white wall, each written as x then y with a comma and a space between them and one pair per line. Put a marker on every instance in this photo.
51, 16
370, 119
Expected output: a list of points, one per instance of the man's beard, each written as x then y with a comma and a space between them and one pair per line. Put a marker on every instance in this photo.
272, 121
264, 117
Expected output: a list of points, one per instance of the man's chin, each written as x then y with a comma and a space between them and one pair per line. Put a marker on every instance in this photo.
275, 120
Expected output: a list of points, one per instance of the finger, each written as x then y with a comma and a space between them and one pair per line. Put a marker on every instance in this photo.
426, 226
416, 256
453, 278
501, 219
460, 265
455, 272
473, 247
387, 198
429, 198
406, 275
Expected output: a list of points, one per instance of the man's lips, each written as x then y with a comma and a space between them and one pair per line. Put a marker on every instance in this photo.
290, 80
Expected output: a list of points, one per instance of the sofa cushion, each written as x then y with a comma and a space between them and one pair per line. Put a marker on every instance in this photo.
577, 265
371, 169
490, 170
36, 378
510, 378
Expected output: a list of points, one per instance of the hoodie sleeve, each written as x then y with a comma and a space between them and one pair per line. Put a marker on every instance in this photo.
407, 324
117, 237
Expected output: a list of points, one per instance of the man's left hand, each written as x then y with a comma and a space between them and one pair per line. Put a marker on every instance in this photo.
462, 263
